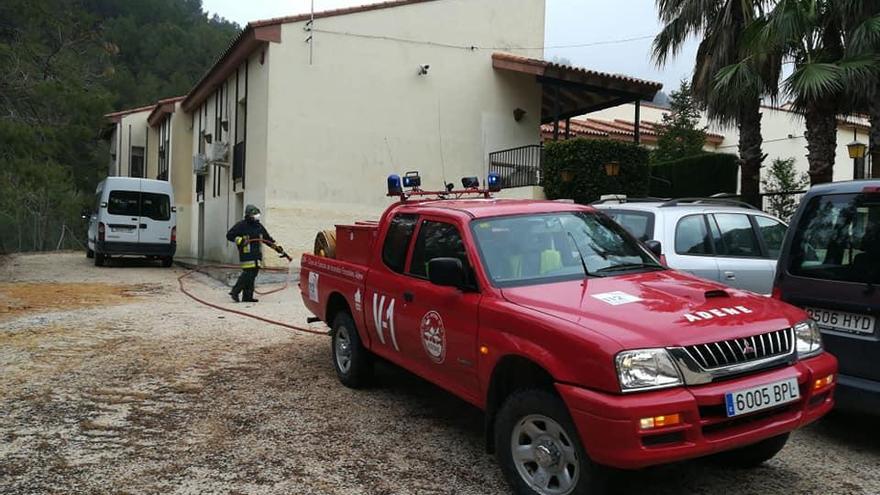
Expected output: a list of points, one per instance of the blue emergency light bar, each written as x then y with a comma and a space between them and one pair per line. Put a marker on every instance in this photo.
413, 182
394, 188
493, 182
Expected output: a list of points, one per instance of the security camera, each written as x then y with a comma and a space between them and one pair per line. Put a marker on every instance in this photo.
423, 69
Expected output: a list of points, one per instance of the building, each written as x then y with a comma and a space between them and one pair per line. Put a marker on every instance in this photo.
305, 116
618, 129
127, 135
783, 132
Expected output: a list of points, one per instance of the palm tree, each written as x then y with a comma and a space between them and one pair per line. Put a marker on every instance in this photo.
722, 24
811, 35
863, 23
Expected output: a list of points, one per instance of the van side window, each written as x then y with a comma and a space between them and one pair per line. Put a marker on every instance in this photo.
691, 236
124, 203
737, 236
437, 240
397, 239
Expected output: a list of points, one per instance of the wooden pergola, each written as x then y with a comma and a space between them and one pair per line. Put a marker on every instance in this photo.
570, 91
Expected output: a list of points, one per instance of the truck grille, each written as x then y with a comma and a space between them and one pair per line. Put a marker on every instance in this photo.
725, 353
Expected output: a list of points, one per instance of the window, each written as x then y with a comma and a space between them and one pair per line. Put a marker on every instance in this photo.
397, 241
638, 223
737, 236
691, 236
555, 247
124, 203
135, 204
772, 232
838, 238
137, 161
437, 240
156, 206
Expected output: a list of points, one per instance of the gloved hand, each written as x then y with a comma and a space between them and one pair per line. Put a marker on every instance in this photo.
240, 240
278, 248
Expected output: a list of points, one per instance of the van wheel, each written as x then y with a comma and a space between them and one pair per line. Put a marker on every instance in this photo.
100, 258
90, 254
167, 261
752, 455
352, 361
539, 449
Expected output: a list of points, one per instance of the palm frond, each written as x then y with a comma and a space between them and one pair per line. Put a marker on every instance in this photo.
865, 37
815, 81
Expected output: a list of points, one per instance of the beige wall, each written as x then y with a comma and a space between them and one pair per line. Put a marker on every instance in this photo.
221, 209
360, 111
182, 180
137, 124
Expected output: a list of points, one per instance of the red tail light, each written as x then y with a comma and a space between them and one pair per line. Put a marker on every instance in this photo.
871, 189
174, 234
101, 231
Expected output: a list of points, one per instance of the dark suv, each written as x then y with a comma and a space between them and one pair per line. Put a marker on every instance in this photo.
830, 266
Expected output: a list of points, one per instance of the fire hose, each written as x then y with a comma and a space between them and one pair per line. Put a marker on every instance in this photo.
242, 313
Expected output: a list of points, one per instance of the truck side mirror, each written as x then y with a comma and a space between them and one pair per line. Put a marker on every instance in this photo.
655, 247
446, 272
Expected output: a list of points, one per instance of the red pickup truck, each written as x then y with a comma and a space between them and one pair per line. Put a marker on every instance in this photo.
583, 350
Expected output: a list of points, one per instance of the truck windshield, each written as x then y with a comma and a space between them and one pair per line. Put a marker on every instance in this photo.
838, 238
544, 248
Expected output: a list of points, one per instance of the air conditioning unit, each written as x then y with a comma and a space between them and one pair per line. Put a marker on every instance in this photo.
217, 152
200, 164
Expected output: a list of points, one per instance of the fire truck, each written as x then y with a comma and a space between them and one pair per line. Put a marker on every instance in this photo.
581, 347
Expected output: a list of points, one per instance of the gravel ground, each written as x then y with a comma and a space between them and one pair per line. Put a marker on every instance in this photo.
113, 382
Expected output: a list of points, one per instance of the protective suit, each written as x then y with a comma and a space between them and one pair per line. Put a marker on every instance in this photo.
248, 236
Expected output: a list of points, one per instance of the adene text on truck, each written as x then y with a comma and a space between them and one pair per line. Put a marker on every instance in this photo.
583, 351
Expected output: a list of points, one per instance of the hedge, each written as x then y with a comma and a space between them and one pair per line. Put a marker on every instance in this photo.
583, 161
695, 176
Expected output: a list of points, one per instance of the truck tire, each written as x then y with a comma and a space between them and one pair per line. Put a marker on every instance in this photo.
89, 253
752, 455
167, 261
100, 258
352, 361
325, 244
539, 450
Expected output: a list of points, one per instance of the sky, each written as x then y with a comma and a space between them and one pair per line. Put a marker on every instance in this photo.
568, 22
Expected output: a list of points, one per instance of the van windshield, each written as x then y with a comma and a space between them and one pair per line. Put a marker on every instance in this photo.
543, 248
838, 238
137, 204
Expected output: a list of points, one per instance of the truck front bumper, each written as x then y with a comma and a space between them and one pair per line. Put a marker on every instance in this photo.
609, 424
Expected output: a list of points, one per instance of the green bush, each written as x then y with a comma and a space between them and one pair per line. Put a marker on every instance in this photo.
583, 162
695, 176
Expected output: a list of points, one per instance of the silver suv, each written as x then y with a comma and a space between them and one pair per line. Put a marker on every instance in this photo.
718, 239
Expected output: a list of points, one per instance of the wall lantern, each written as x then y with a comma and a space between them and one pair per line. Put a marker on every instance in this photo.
856, 150
612, 169
518, 114
566, 175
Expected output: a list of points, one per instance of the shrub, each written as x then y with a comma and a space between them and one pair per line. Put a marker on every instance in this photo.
583, 162
783, 178
695, 176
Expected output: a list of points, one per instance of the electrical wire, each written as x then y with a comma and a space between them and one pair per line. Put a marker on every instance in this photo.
475, 47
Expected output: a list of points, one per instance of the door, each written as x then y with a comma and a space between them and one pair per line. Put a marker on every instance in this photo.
156, 215
741, 260
693, 251
443, 320
122, 216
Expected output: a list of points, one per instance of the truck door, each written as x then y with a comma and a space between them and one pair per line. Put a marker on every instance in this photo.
122, 216
442, 320
155, 215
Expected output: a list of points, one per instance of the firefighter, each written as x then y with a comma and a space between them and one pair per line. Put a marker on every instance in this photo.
248, 235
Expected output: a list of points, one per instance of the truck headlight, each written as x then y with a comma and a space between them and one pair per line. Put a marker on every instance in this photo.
645, 369
807, 338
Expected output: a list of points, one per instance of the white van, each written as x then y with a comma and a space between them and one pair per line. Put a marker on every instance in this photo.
133, 217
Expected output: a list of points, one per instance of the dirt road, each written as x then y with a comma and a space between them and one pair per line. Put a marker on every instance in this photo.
112, 381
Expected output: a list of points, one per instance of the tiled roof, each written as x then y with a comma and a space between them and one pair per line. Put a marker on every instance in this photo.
582, 70
618, 129
335, 12
116, 116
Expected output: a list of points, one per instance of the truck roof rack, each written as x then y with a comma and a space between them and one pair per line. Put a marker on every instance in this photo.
711, 201
623, 199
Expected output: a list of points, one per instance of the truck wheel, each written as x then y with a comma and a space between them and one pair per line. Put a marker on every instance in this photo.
167, 261
539, 449
325, 244
100, 258
353, 362
90, 254
753, 455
